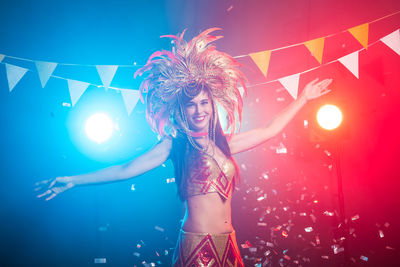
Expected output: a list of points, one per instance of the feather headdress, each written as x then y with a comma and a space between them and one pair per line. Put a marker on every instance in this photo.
187, 69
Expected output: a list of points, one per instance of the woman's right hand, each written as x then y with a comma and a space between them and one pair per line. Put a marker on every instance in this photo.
53, 186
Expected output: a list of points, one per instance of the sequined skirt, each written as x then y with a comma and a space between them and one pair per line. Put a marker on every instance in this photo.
202, 249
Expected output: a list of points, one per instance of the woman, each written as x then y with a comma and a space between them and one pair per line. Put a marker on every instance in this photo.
183, 88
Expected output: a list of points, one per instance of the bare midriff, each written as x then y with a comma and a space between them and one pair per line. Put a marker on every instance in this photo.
208, 213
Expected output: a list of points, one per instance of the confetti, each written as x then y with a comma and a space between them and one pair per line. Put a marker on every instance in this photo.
308, 229
247, 244
100, 260
381, 235
132, 187
355, 217
158, 228
337, 249
65, 104
262, 197
170, 180
363, 258
328, 213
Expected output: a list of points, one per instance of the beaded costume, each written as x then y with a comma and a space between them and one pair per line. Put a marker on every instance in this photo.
170, 77
206, 176
202, 249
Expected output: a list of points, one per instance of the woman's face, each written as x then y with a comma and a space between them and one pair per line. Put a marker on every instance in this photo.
198, 112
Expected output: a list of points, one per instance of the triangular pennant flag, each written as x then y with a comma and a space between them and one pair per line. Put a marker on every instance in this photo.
361, 34
393, 41
45, 69
106, 73
291, 84
14, 74
130, 97
316, 48
351, 62
262, 60
76, 89
1, 57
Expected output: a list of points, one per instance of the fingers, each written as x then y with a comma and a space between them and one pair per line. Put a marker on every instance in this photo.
314, 81
52, 196
45, 193
324, 83
53, 182
325, 92
42, 182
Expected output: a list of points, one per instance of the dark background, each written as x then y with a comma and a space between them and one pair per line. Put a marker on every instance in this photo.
40, 137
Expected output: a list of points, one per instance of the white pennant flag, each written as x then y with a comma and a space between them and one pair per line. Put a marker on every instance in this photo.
45, 69
393, 41
291, 84
351, 63
1, 57
106, 73
14, 74
130, 97
76, 89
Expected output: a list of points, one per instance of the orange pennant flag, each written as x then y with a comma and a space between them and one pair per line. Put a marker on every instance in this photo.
316, 48
361, 34
262, 60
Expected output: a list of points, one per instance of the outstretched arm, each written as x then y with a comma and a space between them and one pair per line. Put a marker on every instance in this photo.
150, 160
244, 141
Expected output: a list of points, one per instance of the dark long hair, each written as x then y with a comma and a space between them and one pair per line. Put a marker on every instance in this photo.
181, 149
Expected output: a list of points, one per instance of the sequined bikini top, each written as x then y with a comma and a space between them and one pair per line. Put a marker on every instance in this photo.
206, 176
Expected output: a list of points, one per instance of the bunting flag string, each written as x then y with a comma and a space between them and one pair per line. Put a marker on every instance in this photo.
106, 73
76, 89
291, 84
393, 41
361, 34
45, 69
316, 48
351, 63
262, 60
130, 98
14, 74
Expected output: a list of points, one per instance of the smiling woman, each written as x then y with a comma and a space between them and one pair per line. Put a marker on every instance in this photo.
198, 112
183, 88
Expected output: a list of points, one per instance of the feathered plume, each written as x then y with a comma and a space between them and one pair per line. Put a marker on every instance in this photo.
188, 68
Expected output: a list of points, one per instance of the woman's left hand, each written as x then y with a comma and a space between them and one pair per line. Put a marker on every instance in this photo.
316, 89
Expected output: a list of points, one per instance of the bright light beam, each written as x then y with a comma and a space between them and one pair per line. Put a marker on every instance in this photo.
99, 127
329, 117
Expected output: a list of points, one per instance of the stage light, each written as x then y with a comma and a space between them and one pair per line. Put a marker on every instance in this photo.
329, 117
99, 127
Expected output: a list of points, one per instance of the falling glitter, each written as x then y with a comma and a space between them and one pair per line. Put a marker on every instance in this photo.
170, 180
381, 235
158, 228
308, 229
